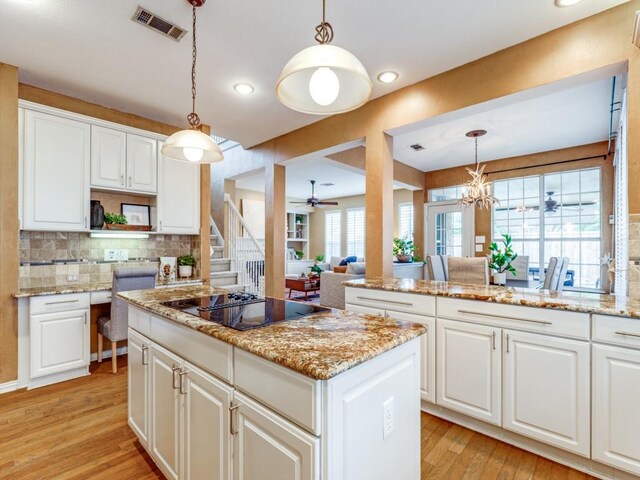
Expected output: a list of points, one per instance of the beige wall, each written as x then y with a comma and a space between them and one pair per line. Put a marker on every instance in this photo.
316, 245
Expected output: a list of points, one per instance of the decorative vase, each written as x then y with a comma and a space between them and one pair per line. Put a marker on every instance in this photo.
500, 278
97, 215
185, 271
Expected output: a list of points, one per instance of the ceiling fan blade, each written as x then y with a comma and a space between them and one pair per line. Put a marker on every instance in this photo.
303, 203
327, 203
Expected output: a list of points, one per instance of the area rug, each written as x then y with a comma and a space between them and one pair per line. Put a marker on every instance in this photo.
312, 298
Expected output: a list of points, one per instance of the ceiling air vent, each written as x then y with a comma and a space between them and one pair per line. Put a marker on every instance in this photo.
160, 25
417, 147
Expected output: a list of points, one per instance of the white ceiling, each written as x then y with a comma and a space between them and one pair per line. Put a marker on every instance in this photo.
92, 50
347, 181
573, 116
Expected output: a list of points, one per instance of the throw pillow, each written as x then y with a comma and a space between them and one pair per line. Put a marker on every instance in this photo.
340, 269
335, 261
348, 260
356, 268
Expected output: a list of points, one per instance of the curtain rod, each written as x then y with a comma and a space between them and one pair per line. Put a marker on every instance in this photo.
515, 169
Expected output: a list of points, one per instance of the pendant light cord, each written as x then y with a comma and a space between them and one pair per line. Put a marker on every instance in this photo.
476, 139
193, 118
324, 31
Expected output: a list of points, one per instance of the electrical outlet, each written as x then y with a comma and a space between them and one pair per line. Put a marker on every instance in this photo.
479, 247
387, 418
72, 278
116, 254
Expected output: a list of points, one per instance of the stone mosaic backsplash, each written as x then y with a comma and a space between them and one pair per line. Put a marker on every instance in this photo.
49, 258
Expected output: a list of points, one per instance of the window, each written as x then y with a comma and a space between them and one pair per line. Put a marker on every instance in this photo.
355, 232
554, 215
405, 223
332, 234
448, 193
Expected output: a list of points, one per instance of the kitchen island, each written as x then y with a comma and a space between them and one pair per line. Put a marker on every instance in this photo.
557, 374
331, 395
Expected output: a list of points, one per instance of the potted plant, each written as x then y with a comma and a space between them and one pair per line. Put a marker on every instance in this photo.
185, 266
315, 268
114, 221
500, 260
299, 255
403, 249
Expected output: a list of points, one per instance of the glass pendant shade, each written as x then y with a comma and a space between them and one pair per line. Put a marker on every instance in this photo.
192, 146
324, 80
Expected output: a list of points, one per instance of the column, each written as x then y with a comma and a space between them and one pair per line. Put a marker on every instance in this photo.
418, 223
275, 234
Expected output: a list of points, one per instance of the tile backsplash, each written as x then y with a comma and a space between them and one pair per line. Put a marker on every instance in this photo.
77, 254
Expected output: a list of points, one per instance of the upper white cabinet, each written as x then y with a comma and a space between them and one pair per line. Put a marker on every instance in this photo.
546, 389
56, 173
178, 196
469, 369
108, 158
142, 164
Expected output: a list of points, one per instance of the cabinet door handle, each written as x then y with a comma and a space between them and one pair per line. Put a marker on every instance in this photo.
506, 317
182, 376
628, 334
122, 179
85, 222
232, 409
145, 351
61, 302
395, 302
494, 340
85, 318
129, 180
160, 225
176, 380
507, 343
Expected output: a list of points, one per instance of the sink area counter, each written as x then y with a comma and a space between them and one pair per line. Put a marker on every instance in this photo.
594, 303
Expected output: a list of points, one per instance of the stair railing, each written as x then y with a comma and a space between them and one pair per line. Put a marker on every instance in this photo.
244, 249
216, 231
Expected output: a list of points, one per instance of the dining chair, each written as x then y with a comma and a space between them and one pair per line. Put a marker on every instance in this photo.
556, 274
474, 270
436, 268
521, 264
115, 326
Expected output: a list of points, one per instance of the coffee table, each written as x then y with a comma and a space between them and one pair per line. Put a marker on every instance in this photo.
302, 285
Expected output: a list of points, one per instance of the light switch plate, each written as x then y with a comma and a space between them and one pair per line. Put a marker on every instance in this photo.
116, 254
387, 418
480, 239
479, 247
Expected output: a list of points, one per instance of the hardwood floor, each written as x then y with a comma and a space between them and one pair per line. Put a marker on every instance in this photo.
78, 430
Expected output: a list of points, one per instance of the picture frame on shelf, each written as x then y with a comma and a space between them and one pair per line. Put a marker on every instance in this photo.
167, 268
137, 215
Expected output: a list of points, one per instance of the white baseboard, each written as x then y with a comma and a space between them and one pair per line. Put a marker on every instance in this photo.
554, 454
7, 387
107, 353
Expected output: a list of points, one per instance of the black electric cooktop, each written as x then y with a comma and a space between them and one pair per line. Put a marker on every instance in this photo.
243, 311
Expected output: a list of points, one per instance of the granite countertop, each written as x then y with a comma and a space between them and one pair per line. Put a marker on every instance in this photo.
319, 346
572, 301
89, 287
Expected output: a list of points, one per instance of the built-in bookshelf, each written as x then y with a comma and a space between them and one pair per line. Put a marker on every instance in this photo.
298, 233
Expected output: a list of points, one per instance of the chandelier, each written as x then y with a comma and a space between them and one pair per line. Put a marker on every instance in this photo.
478, 189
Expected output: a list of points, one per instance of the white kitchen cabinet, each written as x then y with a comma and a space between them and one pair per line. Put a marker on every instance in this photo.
59, 341
178, 196
142, 164
56, 168
139, 385
269, 447
616, 416
469, 369
366, 310
108, 158
546, 389
207, 444
165, 410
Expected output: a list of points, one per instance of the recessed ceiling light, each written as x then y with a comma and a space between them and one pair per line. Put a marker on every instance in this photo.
243, 88
388, 77
566, 3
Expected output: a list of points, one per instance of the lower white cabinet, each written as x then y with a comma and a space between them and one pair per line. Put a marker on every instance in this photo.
138, 386
469, 369
616, 412
267, 447
546, 389
59, 341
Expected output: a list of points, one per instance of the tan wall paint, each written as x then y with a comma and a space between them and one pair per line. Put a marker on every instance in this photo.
9, 240
316, 219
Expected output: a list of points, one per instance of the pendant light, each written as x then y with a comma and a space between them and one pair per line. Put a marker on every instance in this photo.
478, 190
192, 145
324, 79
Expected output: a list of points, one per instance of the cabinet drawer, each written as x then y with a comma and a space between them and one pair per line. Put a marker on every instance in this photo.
139, 320
58, 303
291, 394
100, 297
400, 302
542, 320
616, 330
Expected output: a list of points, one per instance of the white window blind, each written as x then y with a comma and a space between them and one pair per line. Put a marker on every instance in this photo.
332, 234
355, 232
405, 216
621, 205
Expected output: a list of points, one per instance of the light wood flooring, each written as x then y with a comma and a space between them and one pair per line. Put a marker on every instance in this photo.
78, 430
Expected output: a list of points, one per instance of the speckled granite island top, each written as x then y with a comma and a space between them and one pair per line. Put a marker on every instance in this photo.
572, 301
89, 287
319, 346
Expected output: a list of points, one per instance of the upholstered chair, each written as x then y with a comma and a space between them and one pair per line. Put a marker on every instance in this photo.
521, 264
114, 327
473, 270
556, 273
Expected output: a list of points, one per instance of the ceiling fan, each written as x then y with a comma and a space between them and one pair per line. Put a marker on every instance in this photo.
313, 201
550, 205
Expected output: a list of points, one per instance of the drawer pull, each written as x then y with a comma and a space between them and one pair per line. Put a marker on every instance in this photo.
176, 383
493, 315
395, 302
232, 410
182, 375
145, 352
62, 302
628, 334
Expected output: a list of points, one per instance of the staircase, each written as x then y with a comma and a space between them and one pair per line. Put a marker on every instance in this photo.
221, 274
